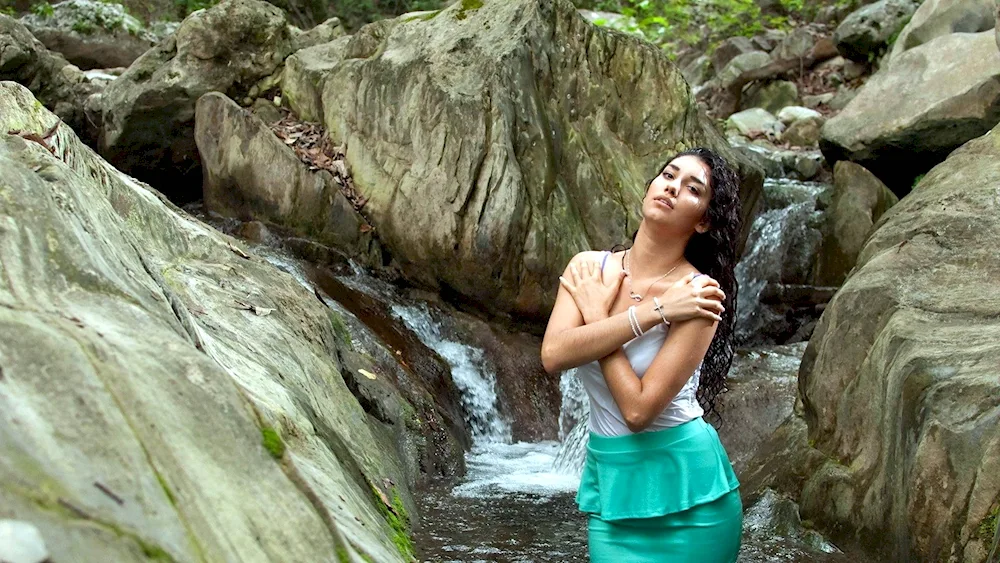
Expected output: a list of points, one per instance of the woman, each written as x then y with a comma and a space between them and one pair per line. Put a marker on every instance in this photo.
650, 329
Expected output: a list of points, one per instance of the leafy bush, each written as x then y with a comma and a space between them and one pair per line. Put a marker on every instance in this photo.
673, 24
43, 10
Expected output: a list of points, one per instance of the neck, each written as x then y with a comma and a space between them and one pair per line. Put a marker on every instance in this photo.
653, 254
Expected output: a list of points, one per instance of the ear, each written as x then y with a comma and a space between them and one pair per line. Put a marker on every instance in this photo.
703, 227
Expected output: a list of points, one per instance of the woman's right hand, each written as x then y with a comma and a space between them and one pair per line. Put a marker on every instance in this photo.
694, 295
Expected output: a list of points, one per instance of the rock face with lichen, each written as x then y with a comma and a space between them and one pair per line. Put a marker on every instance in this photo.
163, 394
900, 381
148, 117
496, 139
945, 92
55, 83
91, 34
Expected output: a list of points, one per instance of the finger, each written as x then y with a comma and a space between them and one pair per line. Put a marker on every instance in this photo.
711, 304
712, 293
575, 273
706, 281
565, 283
709, 314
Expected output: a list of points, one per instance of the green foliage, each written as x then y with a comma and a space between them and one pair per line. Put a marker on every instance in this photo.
917, 181
988, 527
8, 11
673, 24
792, 5
83, 27
43, 10
272, 442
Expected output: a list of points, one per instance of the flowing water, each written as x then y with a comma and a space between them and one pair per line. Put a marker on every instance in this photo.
515, 502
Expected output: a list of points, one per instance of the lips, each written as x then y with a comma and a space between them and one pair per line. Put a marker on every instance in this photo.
664, 201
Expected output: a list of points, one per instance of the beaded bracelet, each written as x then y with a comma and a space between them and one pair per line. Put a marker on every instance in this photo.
633, 322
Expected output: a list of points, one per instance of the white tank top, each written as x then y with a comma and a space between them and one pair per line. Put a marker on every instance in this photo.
606, 418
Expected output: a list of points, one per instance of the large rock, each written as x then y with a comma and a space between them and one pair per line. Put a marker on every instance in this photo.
162, 393
56, 83
739, 64
944, 93
859, 200
761, 396
251, 174
935, 18
772, 96
148, 125
496, 142
899, 381
91, 34
866, 32
730, 49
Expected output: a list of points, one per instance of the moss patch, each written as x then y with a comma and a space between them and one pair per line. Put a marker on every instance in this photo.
468, 6
272, 442
988, 527
166, 489
340, 329
397, 518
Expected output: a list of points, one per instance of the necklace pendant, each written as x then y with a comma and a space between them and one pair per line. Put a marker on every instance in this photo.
634, 296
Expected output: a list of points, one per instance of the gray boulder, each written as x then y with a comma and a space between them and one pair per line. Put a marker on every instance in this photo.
859, 200
913, 112
740, 64
865, 33
730, 49
762, 392
791, 114
755, 121
484, 152
91, 34
803, 132
56, 83
799, 43
935, 18
322, 33
249, 173
165, 394
771, 96
148, 121
899, 380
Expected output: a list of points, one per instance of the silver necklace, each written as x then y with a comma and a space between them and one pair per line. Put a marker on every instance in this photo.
628, 277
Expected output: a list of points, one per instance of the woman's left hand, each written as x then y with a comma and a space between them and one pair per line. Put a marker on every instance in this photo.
593, 296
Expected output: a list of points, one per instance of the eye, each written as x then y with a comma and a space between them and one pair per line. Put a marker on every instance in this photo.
668, 175
693, 188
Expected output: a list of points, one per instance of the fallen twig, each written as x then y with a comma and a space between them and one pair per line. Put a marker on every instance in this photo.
109, 492
40, 139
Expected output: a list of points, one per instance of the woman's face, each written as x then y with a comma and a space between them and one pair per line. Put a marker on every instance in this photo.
678, 197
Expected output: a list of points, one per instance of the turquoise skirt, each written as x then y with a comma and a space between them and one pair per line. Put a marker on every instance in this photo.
664, 496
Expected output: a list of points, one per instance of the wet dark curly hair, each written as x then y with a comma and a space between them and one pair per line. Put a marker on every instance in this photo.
714, 253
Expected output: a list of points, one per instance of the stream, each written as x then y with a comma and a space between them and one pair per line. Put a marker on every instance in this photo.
516, 500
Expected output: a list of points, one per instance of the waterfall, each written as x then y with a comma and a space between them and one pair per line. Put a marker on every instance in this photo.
475, 383
780, 248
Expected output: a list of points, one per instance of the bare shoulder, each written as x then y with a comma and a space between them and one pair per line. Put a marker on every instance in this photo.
586, 255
